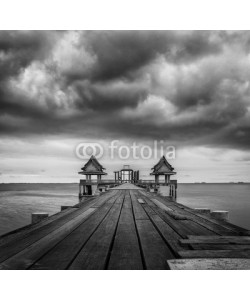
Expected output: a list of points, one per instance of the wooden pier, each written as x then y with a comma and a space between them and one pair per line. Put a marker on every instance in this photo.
126, 228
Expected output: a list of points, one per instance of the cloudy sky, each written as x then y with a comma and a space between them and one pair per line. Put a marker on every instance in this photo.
188, 89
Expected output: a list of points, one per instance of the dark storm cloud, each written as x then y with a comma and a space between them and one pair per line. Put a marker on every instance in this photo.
19, 48
183, 86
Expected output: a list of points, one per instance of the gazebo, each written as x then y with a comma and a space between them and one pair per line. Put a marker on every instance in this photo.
126, 174
163, 168
92, 167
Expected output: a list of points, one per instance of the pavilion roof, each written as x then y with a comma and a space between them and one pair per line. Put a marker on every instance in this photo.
163, 167
92, 167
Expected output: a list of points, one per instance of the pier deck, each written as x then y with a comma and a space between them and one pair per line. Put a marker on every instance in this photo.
126, 228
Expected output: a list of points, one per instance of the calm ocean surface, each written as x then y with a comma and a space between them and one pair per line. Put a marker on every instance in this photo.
18, 201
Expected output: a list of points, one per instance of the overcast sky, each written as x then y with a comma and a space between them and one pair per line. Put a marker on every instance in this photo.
189, 89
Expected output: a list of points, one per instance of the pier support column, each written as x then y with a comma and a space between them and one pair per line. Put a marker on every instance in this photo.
38, 217
167, 177
80, 190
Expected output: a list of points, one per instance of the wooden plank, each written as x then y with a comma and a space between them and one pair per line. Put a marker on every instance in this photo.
242, 240
20, 233
225, 226
139, 212
161, 205
177, 226
104, 198
210, 264
127, 201
60, 257
25, 258
169, 235
182, 227
198, 229
16, 245
214, 254
155, 250
217, 229
125, 254
95, 252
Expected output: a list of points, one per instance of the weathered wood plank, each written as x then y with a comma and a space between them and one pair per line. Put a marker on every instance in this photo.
16, 245
177, 226
23, 231
94, 254
25, 258
198, 229
155, 250
161, 205
209, 264
125, 254
226, 225
60, 257
139, 212
169, 235
209, 224
214, 254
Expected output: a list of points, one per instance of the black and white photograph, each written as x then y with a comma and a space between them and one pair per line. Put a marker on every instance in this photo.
124, 149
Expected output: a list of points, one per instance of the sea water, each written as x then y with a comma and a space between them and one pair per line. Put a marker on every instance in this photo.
19, 201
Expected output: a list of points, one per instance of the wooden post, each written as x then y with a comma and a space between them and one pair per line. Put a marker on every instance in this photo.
220, 215
80, 190
63, 207
205, 211
38, 217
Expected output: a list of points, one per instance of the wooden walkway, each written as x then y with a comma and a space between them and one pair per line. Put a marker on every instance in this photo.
123, 229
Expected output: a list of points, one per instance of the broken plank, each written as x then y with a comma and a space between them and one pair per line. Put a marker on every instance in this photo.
140, 201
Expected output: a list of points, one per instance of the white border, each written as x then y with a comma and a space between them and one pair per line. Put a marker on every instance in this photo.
124, 285
125, 14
